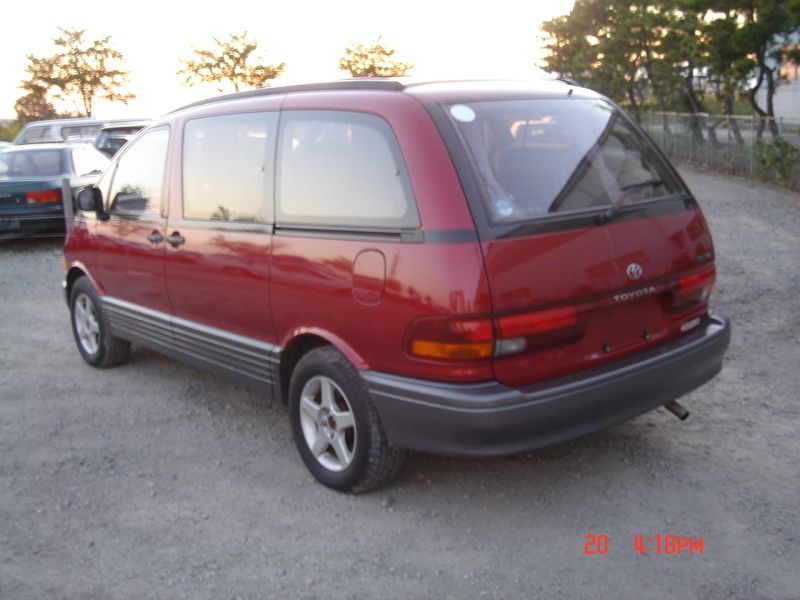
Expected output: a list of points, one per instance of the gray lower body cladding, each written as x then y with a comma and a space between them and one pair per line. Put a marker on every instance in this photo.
246, 361
477, 419
491, 419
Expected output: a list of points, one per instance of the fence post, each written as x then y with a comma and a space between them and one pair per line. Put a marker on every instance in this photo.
66, 201
681, 133
728, 143
752, 146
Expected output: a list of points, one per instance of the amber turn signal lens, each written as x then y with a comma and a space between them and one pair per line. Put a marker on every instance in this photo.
451, 338
451, 351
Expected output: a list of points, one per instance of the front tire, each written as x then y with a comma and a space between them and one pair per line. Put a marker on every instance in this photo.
92, 335
336, 427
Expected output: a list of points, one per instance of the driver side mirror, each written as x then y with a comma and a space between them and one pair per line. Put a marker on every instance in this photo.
91, 200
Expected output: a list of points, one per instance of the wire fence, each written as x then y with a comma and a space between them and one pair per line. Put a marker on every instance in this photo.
741, 145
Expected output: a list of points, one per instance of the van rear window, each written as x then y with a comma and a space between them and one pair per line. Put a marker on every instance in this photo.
542, 156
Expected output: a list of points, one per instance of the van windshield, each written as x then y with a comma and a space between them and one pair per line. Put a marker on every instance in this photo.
538, 157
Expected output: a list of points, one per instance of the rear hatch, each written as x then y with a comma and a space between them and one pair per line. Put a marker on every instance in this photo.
594, 247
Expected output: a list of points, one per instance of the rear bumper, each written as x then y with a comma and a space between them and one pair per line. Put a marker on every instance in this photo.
492, 419
21, 224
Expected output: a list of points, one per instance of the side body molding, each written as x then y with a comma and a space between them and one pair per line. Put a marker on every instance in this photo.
246, 361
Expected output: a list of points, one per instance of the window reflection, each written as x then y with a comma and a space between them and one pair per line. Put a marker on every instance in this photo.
342, 168
32, 163
227, 167
537, 157
139, 177
88, 161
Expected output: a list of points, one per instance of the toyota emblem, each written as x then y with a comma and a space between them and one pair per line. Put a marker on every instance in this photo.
634, 271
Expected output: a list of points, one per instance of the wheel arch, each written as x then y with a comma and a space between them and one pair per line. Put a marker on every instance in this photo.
76, 271
302, 343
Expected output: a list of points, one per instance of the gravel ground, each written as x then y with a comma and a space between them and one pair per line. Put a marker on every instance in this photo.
153, 480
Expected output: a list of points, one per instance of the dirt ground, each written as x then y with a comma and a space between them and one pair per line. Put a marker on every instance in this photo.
153, 480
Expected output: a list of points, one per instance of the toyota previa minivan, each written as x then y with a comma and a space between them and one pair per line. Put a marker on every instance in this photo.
463, 268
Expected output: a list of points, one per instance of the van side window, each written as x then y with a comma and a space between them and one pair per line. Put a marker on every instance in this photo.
138, 184
228, 166
344, 169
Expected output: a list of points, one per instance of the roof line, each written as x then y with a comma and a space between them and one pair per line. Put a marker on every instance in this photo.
365, 83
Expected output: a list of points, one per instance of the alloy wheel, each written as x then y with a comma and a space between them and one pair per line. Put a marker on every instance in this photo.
86, 324
327, 421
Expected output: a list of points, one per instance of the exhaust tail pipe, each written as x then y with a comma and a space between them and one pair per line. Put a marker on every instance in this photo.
677, 410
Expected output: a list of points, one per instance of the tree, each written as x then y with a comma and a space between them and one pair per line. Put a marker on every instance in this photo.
569, 47
88, 70
767, 25
670, 59
611, 46
34, 105
230, 61
728, 68
676, 51
372, 60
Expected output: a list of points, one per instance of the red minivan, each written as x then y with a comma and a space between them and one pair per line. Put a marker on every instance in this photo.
464, 268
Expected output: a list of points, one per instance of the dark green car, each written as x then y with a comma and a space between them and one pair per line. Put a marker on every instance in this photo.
31, 181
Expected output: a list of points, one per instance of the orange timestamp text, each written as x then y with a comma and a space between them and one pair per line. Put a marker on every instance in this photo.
647, 544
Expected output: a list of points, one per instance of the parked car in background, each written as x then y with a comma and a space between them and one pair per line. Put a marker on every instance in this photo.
114, 136
465, 268
31, 178
58, 130
62, 130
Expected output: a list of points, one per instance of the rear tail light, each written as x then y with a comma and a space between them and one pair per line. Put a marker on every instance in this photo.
43, 197
479, 338
537, 330
451, 338
694, 288
537, 322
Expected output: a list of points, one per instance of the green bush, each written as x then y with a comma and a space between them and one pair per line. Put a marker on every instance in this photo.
778, 161
8, 132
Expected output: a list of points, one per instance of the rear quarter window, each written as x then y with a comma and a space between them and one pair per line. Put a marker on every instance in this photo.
342, 169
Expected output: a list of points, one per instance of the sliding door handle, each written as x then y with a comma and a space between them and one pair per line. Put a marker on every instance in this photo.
176, 239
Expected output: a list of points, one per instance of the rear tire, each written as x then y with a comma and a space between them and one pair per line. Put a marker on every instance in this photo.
336, 427
92, 335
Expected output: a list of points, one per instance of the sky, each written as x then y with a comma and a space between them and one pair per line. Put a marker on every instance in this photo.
443, 39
